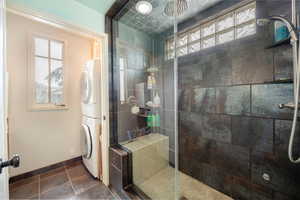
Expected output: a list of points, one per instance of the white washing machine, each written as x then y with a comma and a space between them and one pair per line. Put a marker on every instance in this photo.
90, 137
91, 113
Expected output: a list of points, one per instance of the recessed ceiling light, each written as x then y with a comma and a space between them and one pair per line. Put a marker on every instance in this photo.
144, 7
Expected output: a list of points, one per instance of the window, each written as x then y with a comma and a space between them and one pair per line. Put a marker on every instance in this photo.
47, 78
123, 81
236, 24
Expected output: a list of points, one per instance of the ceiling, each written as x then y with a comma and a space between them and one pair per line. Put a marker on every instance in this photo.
101, 6
157, 21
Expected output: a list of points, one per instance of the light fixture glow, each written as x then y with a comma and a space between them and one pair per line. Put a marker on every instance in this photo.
144, 7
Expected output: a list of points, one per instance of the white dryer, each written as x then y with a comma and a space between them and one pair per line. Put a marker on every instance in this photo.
90, 137
91, 89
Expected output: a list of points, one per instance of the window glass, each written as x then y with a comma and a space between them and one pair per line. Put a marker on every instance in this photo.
194, 35
245, 30
122, 79
208, 42
225, 23
245, 15
56, 50
48, 72
182, 51
182, 40
41, 80
232, 25
56, 78
208, 30
41, 47
194, 47
225, 37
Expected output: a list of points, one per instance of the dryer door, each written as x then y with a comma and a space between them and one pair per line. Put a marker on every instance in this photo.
86, 142
86, 87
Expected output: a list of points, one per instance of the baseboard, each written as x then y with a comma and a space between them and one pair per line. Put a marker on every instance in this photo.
43, 169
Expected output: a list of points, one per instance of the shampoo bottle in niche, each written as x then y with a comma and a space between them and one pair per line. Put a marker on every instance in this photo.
149, 83
156, 100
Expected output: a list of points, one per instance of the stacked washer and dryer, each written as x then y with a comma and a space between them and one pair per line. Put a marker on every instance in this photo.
91, 113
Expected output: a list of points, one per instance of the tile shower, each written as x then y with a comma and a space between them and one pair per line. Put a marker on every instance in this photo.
233, 138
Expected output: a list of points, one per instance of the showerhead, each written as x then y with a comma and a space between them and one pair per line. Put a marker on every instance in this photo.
292, 29
182, 5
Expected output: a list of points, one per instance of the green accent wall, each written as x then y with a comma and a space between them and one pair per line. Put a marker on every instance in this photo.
100, 6
69, 11
135, 37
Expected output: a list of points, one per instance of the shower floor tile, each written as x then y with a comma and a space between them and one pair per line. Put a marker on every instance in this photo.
161, 186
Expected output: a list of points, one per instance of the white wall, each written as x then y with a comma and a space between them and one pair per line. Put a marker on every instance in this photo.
42, 138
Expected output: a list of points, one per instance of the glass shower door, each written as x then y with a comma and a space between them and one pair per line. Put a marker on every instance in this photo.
146, 89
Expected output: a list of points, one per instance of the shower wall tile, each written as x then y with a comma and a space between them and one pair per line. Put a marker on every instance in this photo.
253, 133
198, 148
240, 188
280, 196
215, 178
190, 75
209, 126
235, 160
192, 123
216, 127
282, 137
204, 100
251, 64
185, 100
233, 100
216, 75
284, 175
259, 192
283, 63
266, 98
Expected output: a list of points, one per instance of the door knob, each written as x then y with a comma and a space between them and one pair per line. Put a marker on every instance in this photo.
14, 162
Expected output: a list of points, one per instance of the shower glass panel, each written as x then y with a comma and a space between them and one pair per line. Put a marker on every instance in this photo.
146, 97
198, 100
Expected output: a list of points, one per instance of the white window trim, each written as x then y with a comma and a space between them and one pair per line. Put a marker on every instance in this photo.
32, 105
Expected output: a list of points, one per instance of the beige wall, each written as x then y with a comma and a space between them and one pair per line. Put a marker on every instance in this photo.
42, 138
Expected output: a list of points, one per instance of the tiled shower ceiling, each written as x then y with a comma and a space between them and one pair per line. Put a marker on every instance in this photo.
157, 21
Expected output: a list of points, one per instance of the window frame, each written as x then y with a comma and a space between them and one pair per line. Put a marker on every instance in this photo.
31, 87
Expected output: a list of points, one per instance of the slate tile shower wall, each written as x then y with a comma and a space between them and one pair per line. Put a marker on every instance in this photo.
231, 131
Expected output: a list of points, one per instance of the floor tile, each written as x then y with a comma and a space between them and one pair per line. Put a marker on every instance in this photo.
24, 181
25, 191
99, 191
84, 183
53, 179
64, 191
77, 171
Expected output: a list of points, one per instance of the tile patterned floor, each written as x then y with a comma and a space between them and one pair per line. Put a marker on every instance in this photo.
68, 182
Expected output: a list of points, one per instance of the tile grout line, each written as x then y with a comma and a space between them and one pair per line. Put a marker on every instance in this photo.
114, 195
69, 177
